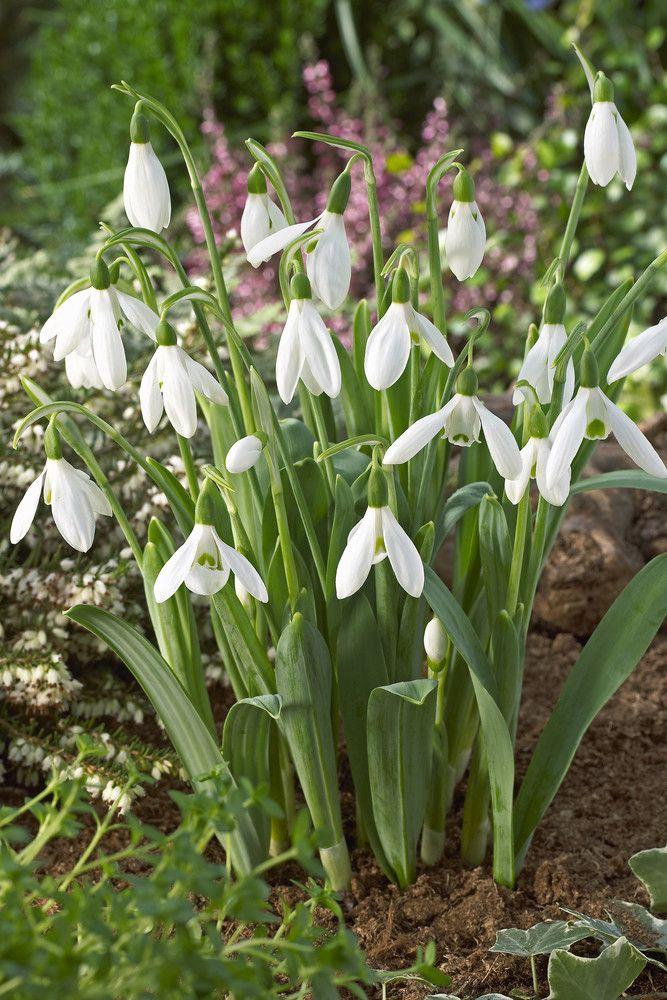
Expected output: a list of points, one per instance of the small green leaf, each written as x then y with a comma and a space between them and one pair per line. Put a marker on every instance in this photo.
541, 939
459, 502
650, 867
631, 479
603, 978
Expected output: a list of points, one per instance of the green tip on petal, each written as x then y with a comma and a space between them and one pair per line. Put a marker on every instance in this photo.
165, 334
139, 128
300, 287
339, 194
400, 289
466, 383
589, 374
52, 441
99, 274
603, 89
256, 180
464, 186
556, 304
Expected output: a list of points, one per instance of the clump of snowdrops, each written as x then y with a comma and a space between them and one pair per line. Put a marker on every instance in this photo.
329, 524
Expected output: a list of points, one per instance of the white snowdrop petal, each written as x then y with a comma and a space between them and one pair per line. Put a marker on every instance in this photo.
388, 348
138, 314
146, 189
601, 143
178, 393
515, 488
319, 350
416, 437
567, 438
150, 396
627, 158
534, 370
107, 343
243, 454
500, 441
244, 571
465, 239
255, 221
357, 558
640, 351
69, 324
202, 380
633, 442
26, 510
289, 360
176, 568
70, 506
434, 338
403, 555
277, 242
328, 265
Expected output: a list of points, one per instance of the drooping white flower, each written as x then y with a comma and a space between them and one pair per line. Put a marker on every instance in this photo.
169, 383
377, 536
640, 351
592, 415
608, 145
390, 340
203, 562
435, 640
465, 238
261, 216
534, 458
145, 187
80, 367
90, 320
277, 241
461, 421
243, 454
538, 365
74, 498
328, 263
306, 350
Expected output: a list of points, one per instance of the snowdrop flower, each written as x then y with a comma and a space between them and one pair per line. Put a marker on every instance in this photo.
608, 146
538, 365
244, 453
89, 323
80, 367
435, 642
261, 216
461, 421
74, 498
377, 536
145, 188
328, 263
592, 415
203, 562
644, 348
277, 241
534, 458
170, 382
306, 350
390, 340
465, 238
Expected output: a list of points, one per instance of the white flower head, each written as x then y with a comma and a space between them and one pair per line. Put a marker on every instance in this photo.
538, 365
145, 187
640, 351
461, 421
169, 383
592, 415
277, 241
203, 562
376, 537
75, 500
328, 262
608, 145
88, 323
435, 641
261, 216
390, 340
534, 459
306, 350
244, 454
465, 238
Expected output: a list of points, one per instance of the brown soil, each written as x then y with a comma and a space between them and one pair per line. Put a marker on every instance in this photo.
611, 804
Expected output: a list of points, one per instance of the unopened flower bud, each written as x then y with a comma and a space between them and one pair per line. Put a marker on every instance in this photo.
435, 641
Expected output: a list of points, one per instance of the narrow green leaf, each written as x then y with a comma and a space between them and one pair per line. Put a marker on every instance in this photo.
631, 479
192, 741
495, 552
459, 502
607, 659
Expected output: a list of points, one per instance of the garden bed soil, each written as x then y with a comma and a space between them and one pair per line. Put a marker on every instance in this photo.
611, 804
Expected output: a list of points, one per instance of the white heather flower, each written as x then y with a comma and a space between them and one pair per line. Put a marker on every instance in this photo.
90, 321
261, 216
592, 415
465, 238
638, 352
390, 340
243, 454
306, 350
435, 641
203, 563
74, 498
608, 145
169, 383
375, 537
461, 421
145, 187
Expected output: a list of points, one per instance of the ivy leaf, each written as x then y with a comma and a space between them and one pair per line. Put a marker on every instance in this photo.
647, 933
541, 939
601, 978
650, 867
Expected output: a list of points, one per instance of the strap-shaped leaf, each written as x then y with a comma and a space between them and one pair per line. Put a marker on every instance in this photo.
245, 745
359, 642
353, 397
496, 733
399, 732
495, 552
607, 659
191, 739
629, 479
304, 682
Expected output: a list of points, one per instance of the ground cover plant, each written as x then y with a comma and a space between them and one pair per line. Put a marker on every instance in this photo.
329, 524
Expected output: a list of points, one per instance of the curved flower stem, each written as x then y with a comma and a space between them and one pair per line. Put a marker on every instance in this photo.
435, 175
573, 218
376, 230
